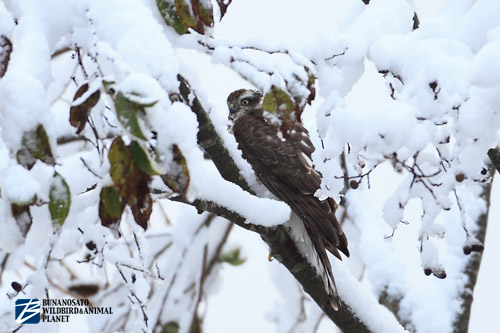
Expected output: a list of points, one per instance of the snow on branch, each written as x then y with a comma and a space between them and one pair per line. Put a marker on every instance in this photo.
461, 323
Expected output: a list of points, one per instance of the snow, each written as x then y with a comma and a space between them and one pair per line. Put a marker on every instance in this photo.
291, 311
431, 115
141, 88
259, 211
130, 29
6, 21
385, 269
23, 104
362, 301
485, 70
10, 237
19, 185
473, 34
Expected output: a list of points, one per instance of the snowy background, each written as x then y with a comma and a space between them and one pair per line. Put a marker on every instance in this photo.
432, 112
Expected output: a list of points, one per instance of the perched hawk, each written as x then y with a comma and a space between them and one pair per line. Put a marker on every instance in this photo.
282, 162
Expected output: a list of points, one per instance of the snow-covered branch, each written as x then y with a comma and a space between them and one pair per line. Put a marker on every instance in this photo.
461, 323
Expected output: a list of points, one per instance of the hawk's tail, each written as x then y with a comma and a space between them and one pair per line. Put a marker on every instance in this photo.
328, 280
315, 251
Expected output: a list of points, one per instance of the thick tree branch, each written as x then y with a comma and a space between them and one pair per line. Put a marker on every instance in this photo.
472, 269
283, 248
393, 304
209, 139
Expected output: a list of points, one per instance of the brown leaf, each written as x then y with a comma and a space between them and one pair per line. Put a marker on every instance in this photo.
110, 207
139, 199
310, 86
5, 51
79, 114
132, 184
142, 209
23, 217
84, 290
177, 178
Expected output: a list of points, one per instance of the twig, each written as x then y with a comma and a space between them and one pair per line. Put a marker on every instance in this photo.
171, 283
89, 169
80, 62
133, 294
201, 283
2, 266
223, 7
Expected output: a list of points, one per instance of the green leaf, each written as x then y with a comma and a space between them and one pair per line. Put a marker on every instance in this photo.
79, 114
232, 258
126, 111
176, 15
181, 16
60, 199
177, 178
142, 159
205, 14
278, 102
35, 145
110, 206
121, 168
170, 327
108, 86
140, 100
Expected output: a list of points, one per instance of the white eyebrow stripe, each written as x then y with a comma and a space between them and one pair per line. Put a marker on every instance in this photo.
249, 93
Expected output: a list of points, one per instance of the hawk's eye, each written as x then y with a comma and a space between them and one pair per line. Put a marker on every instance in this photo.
245, 102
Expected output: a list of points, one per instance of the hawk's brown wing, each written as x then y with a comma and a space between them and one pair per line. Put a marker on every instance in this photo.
283, 167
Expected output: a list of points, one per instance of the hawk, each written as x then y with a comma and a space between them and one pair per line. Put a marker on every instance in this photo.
282, 162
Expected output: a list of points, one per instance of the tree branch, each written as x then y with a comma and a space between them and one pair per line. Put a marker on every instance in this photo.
207, 267
472, 268
494, 155
209, 139
283, 248
392, 304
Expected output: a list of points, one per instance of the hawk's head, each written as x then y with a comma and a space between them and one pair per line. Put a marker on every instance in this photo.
243, 101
